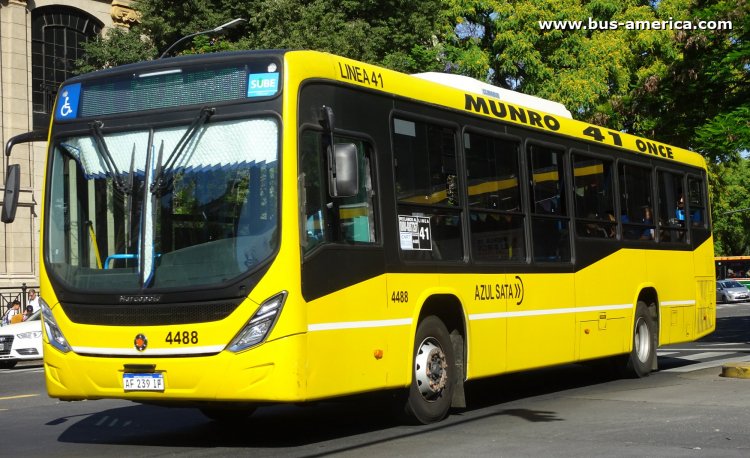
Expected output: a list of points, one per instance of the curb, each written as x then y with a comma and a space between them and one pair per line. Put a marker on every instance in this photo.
736, 370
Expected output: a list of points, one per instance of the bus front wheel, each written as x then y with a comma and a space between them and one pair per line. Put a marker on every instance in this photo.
433, 376
641, 358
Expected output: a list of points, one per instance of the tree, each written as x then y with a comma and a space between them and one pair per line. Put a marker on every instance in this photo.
117, 47
589, 67
730, 185
699, 101
395, 33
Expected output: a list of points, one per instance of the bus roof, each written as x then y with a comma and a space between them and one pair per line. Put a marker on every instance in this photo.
469, 84
450, 91
526, 111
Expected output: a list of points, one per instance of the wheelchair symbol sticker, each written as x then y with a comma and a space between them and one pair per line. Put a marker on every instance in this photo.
67, 103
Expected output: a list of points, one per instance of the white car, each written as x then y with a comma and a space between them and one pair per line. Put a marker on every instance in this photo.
731, 291
21, 341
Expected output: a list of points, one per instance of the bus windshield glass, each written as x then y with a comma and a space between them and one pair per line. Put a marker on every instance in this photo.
163, 208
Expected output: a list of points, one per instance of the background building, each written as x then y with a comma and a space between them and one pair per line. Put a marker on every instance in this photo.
39, 43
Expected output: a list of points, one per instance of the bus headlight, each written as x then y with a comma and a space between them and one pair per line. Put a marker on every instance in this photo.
261, 323
54, 334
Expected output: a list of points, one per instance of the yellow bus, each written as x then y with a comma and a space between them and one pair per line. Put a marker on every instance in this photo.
236, 229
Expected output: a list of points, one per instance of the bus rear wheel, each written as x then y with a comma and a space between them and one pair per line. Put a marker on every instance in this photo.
641, 358
433, 377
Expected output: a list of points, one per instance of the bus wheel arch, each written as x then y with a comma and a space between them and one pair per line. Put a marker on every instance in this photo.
437, 364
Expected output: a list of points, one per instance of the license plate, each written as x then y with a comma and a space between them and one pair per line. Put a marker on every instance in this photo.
143, 382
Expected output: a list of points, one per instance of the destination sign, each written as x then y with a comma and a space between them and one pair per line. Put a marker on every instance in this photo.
161, 88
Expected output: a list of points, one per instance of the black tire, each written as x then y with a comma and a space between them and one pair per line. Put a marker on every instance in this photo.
433, 376
227, 414
642, 357
724, 299
8, 364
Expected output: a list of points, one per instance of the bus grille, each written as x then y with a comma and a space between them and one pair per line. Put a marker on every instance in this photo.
6, 342
148, 314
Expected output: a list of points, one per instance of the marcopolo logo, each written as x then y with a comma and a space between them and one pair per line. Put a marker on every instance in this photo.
140, 342
139, 299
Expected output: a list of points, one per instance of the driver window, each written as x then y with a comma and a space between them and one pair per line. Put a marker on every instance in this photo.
334, 220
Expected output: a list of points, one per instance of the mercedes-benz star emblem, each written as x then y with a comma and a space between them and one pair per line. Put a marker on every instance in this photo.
141, 342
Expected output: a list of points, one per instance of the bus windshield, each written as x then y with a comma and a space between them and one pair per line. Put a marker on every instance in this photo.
163, 208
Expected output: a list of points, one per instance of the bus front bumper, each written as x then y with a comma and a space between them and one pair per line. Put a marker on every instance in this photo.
271, 372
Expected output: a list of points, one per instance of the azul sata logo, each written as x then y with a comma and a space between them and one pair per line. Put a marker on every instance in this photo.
140, 342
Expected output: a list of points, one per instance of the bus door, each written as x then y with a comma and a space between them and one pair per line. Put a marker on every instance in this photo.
342, 272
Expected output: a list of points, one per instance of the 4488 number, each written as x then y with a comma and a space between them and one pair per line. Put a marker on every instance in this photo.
400, 296
182, 337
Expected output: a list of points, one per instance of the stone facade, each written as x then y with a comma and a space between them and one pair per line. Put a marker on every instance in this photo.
19, 241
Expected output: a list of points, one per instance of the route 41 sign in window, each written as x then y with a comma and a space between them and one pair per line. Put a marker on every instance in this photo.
415, 232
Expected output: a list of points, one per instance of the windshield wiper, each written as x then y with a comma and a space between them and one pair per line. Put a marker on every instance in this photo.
101, 148
160, 183
129, 204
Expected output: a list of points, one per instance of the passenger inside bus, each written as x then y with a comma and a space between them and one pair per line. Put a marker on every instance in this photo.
647, 234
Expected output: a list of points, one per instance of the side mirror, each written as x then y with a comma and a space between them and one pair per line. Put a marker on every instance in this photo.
10, 197
13, 177
343, 170
346, 181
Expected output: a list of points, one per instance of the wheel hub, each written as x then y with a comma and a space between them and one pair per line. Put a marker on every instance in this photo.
430, 368
642, 340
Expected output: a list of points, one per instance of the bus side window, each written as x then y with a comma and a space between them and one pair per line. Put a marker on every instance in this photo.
357, 214
327, 219
427, 189
635, 202
313, 189
671, 207
495, 212
696, 202
594, 199
549, 220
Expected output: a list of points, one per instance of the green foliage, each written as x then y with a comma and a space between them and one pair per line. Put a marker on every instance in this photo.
590, 70
730, 188
117, 47
725, 135
693, 98
395, 33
